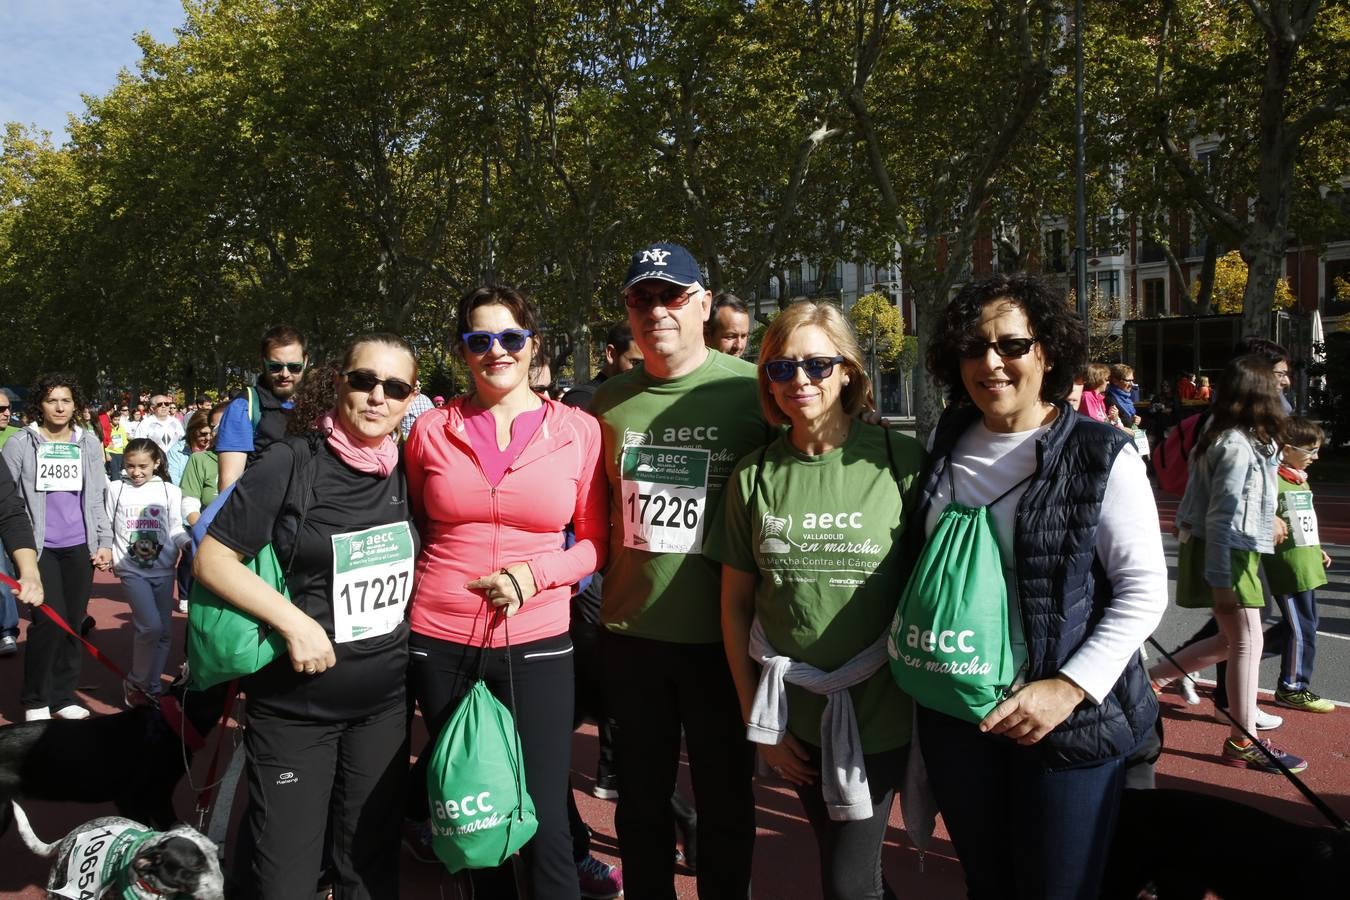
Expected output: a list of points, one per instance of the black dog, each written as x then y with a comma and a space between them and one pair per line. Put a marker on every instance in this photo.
133, 759
1182, 845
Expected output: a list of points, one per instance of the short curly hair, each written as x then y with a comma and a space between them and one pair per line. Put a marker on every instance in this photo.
43, 385
1054, 324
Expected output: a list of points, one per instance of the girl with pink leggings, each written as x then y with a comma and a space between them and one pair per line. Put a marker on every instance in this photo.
1225, 521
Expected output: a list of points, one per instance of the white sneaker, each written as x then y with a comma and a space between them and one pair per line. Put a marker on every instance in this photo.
1265, 721
182, 605
36, 715
73, 711
1186, 688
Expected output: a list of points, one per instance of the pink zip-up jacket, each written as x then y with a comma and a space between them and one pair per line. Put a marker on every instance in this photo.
470, 529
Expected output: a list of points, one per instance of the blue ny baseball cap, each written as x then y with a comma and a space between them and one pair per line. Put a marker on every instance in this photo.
664, 262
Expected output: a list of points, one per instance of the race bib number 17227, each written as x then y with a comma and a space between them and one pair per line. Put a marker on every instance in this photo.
665, 497
372, 577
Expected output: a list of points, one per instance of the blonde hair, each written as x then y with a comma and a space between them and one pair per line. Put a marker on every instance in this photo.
855, 396
1097, 375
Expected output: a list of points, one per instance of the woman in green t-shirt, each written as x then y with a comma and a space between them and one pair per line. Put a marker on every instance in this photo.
810, 577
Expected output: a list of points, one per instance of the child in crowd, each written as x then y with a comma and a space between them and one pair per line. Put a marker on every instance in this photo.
1202, 391
147, 520
1296, 570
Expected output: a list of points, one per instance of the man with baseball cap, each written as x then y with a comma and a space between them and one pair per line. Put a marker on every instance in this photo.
673, 429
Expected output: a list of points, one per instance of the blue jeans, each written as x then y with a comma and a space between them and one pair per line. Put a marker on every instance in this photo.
1295, 638
9, 607
1020, 830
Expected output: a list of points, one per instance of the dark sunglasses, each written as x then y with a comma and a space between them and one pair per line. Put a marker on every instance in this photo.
512, 340
364, 381
1008, 348
670, 298
817, 368
294, 368
157, 405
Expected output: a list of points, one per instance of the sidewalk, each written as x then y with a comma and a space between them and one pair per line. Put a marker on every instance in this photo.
785, 855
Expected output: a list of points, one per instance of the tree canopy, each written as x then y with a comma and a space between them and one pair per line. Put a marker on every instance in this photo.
348, 166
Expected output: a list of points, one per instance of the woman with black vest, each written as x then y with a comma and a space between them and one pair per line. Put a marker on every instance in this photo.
1030, 791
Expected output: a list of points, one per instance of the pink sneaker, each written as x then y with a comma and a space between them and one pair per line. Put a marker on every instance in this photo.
599, 881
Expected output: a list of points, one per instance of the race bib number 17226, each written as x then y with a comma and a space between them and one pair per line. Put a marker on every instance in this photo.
665, 497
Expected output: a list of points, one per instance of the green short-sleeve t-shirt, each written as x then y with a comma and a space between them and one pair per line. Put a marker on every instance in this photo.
201, 477
669, 446
824, 535
1293, 569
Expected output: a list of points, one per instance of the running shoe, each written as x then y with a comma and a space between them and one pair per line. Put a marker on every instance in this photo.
1251, 757
1265, 721
1186, 688
8, 646
598, 880
133, 695
37, 714
71, 711
606, 787
1305, 700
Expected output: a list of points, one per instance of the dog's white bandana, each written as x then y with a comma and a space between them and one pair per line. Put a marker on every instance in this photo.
101, 859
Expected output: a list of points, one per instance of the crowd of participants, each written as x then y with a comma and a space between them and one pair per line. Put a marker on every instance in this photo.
756, 528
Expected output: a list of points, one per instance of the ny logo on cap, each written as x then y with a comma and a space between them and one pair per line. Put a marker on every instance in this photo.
656, 256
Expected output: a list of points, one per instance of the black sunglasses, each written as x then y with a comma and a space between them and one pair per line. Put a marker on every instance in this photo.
670, 298
4, 409
817, 368
293, 367
394, 388
1008, 348
512, 340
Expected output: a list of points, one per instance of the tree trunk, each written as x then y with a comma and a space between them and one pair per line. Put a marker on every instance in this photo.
928, 397
1264, 252
1204, 301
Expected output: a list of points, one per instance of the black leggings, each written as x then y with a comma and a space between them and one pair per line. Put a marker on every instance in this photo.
441, 673
51, 664
850, 852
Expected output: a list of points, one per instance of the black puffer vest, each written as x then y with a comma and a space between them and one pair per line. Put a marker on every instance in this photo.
1061, 585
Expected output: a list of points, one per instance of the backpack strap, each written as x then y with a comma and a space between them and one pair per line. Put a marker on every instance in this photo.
254, 406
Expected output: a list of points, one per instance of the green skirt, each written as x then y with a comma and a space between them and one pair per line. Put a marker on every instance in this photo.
1193, 592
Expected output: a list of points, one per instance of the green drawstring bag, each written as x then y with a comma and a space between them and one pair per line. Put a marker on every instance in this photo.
223, 641
480, 811
949, 644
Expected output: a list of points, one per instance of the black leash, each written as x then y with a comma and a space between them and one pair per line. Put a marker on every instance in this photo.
1321, 805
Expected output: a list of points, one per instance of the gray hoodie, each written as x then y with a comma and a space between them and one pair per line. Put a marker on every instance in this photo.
20, 454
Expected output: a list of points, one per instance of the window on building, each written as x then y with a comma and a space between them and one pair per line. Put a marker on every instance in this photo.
1155, 297
1056, 259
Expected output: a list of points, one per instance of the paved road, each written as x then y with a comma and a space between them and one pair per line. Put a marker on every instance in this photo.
1331, 677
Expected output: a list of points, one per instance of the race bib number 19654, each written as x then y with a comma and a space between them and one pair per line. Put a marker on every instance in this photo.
665, 495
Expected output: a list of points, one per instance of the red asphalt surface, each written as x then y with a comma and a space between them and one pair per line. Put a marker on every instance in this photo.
785, 854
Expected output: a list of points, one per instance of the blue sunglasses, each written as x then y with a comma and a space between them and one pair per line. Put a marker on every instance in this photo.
512, 340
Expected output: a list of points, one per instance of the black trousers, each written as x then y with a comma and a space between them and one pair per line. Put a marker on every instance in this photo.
655, 688
441, 673
304, 775
850, 852
51, 664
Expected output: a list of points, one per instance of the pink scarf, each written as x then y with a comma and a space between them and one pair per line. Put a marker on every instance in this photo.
378, 460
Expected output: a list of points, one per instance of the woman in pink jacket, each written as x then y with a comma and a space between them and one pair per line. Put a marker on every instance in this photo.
494, 477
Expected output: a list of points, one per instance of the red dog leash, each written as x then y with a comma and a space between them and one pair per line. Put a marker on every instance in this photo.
168, 706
